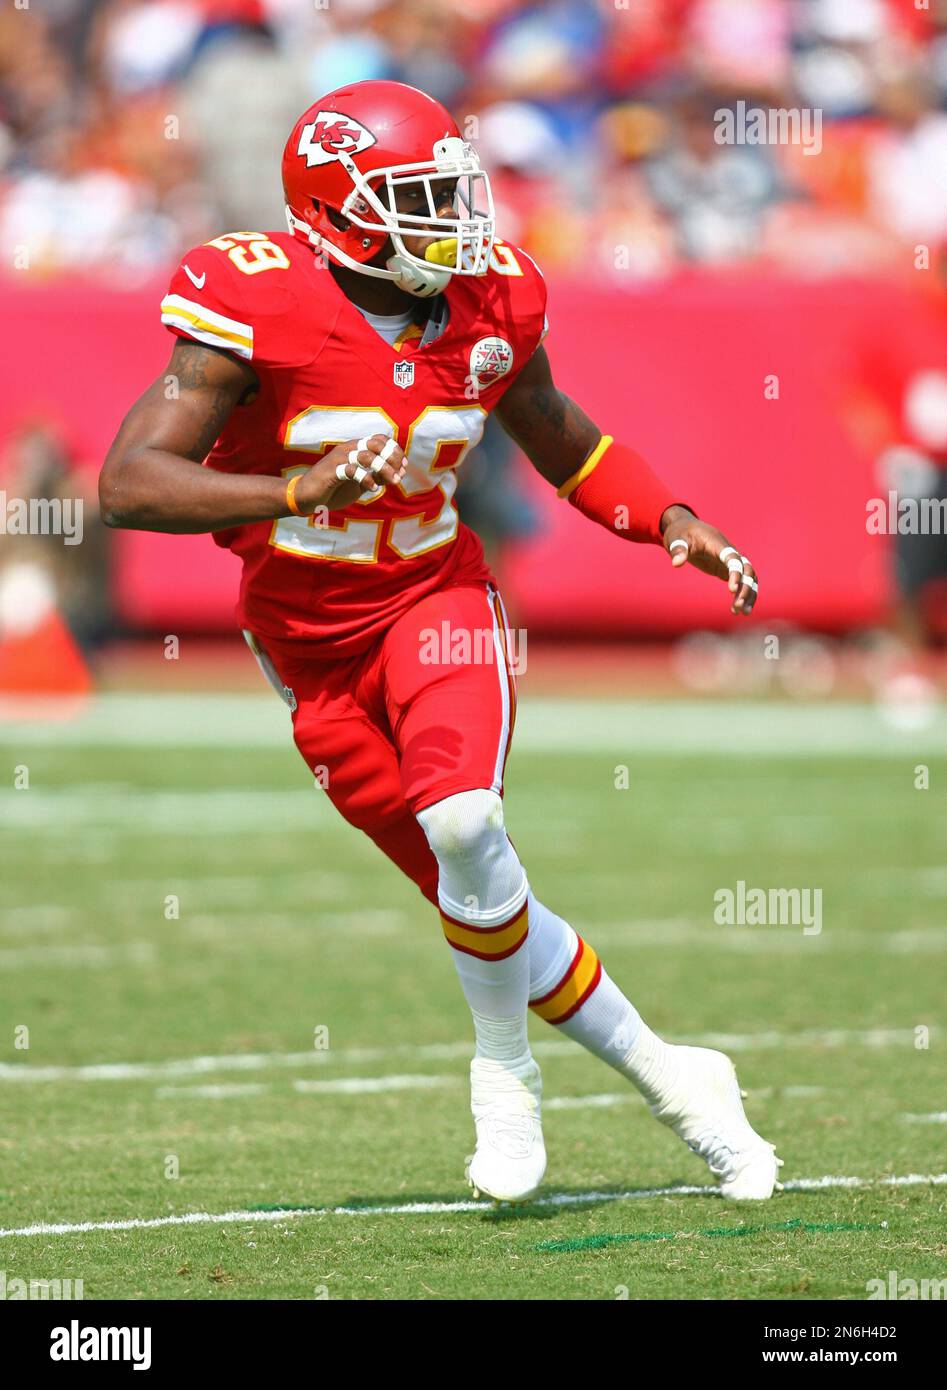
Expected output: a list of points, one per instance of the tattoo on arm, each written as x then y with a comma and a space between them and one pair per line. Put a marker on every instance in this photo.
196, 366
219, 408
220, 380
555, 434
189, 366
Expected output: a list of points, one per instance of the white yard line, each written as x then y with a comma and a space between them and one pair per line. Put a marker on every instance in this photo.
224, 1092
785, 1092
597, 1102
552, 1047
763, 940
373, 1085
186, 812
37, 918
244, 925
79, 956
774, 728
814, 1037
238, 1061
554, 1200
936, 1117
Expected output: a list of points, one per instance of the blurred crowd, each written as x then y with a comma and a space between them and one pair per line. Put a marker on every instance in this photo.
130, 129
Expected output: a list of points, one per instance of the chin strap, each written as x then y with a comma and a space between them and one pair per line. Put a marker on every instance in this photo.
424, 281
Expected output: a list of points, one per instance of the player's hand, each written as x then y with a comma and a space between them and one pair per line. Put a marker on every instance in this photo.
352, 470
689, 541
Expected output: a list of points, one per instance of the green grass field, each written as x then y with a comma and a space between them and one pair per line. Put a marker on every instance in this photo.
178, 1037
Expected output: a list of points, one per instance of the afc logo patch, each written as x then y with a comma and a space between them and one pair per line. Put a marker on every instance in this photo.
403, 374
490, 358
330, 135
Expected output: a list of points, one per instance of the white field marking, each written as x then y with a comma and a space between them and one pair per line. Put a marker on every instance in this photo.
219, 885
247, 923
748, 940
909, 1180
610, 726
229, 894
178, 813
39, 918
936, 1117
226, 921
77, 957
183, 1066
916, 940
236, 1088
600, 1102
554, 1200
261, 1061
785, 1092
372, 1085
239, 1061
931, 881
835, 1037
249, 927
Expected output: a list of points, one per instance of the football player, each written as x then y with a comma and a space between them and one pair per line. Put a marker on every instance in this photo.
329, 382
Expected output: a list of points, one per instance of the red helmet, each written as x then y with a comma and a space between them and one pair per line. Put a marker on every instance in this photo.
345, 159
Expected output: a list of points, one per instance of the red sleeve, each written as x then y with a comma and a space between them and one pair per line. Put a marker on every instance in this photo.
616, 488
516, 297
531, 302
204, 302
235, 293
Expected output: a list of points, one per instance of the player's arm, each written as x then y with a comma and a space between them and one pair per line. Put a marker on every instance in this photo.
153, 479
611, 484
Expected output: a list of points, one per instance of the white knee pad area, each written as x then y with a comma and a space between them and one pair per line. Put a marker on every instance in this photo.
481, 878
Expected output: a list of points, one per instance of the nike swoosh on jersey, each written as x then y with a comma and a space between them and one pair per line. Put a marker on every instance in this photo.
196, 280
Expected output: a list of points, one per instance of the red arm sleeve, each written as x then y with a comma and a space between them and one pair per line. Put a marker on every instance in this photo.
616, 488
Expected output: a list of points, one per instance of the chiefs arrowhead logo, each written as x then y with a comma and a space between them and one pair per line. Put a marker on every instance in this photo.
330, 135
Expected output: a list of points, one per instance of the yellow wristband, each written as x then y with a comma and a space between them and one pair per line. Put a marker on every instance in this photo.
291, 495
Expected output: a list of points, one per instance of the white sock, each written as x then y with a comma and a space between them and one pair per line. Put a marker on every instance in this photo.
569, 988
482, 892
501, 1039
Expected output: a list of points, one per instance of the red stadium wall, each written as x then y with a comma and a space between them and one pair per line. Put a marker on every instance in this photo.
681, 372
678, 370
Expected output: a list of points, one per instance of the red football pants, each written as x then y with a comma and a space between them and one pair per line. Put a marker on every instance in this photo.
426, 713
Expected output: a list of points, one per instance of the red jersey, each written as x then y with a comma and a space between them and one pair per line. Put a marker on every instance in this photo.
327, 376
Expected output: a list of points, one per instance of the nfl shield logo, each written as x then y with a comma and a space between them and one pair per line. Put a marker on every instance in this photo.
404, 374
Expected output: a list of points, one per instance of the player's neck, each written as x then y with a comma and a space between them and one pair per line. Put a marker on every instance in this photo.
375, 296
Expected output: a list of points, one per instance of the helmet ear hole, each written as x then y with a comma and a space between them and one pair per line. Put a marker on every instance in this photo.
341, 223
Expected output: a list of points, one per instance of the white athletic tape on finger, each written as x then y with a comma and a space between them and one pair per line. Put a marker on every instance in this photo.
751, 583
682, 544
362, 444
378, 463
388, 450
734, 566
360, 473
341, 474
727, 551
353, 457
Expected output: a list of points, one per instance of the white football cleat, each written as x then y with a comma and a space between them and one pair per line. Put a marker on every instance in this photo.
703, 1106
506, 1101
